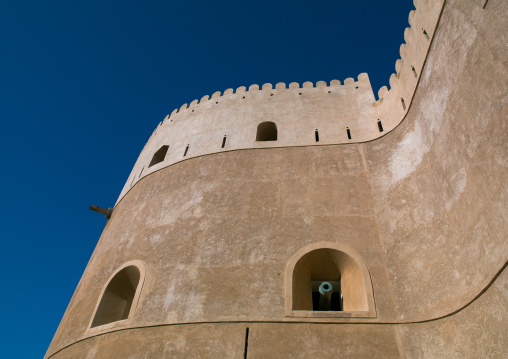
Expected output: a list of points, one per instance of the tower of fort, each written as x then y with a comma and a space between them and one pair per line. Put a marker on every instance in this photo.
314, 221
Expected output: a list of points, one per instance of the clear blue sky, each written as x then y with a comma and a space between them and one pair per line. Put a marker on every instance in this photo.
84, 83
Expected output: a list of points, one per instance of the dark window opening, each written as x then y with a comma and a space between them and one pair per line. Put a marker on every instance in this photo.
158, 156
379, 125
140, 173
316, 134
223, 142
116, 302
348, 133
485, 5
426, 35
186, 150
403, 103
414, 71
267, 131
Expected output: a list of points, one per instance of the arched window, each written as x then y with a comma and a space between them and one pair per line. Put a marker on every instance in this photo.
267, 131
119, 297
328, 279
159, 156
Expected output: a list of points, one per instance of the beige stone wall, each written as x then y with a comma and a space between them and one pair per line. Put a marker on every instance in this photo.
475, 332
425, 207
439, 180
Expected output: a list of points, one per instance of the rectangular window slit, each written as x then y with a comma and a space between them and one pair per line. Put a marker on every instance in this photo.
348, 133
484, 5
246, 343
133, 178
380, 125
141, 171
403, 103
186, 149
316, 133
223, 142
414, 71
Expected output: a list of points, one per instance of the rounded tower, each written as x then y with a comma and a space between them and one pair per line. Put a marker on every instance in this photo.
312, 220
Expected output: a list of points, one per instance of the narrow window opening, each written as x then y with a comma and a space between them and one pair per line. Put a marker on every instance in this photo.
380, 125
300, 93
414, 71
426, 35
133, 178
243, 97
271, 94
484, 5
217, 103
158, 156
403, 103
316, 134
116, 302
192, 110
140, 173
348, 133
357, 87
329, 91
223, 142
186, 149
246, 343
267, 131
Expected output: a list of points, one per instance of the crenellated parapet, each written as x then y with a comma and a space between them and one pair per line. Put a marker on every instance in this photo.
394, 102
305, 114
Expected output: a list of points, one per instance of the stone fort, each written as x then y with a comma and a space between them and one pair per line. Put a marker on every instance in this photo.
316, 221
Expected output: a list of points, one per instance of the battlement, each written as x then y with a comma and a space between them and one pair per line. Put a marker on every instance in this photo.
304, 115
265, 87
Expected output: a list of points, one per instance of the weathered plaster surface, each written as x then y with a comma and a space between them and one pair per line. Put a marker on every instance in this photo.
441, 201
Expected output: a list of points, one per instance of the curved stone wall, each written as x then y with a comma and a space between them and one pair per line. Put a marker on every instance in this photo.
425, 207
298, 111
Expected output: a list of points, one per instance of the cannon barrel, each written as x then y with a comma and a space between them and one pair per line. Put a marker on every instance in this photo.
325, 296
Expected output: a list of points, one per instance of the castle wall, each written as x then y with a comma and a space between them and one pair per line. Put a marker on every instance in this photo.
475, 332
439, 180
216, 233
424, 206
298, 110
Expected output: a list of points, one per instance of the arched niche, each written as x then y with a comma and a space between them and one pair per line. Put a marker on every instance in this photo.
266, 131
119, 297
334, 263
